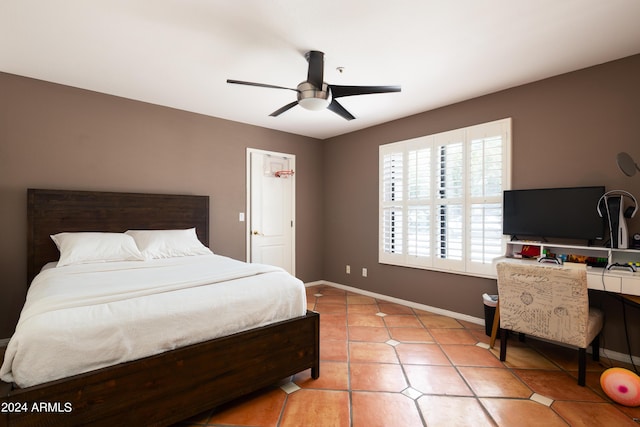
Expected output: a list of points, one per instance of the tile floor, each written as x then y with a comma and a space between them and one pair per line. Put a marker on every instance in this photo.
384, 364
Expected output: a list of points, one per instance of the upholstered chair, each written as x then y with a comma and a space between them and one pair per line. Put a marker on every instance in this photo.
550, 302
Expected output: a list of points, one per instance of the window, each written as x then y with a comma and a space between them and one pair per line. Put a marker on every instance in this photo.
441, 199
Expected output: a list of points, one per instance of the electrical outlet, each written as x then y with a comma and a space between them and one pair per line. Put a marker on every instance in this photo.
364, 272
348, 269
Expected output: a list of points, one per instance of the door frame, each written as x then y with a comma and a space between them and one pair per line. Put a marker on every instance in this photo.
292, 163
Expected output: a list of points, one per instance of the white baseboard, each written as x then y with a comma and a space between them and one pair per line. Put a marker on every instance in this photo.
430, 309
609, 354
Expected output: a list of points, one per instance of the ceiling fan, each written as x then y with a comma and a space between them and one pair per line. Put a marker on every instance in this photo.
314, 94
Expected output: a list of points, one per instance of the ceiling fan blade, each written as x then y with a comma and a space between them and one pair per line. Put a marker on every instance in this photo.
283, 109
337, 108
339, 91
240, 82
315, 76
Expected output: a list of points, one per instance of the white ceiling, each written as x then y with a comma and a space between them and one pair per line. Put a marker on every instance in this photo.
179, 53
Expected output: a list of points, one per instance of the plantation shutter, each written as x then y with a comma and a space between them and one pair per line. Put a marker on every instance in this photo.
441, 199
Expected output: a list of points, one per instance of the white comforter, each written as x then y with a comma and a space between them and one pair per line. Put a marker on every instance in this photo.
84, 317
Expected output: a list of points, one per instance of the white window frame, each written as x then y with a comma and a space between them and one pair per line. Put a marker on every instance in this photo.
461, 242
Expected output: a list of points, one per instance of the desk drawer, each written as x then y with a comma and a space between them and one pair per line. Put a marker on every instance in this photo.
631, 285
611, 283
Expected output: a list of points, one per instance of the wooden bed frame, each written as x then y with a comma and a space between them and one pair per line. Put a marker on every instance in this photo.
169, 387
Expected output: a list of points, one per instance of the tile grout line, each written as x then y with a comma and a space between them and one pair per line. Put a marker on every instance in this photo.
350, 391
464, 379
404, 372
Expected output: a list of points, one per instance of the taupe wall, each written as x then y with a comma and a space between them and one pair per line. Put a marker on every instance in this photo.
567, 131
53, 136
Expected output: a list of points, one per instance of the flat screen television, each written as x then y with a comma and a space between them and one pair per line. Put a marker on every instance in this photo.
553, 212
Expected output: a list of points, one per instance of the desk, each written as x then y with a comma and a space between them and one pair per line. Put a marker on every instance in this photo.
633, 298
615, 280
625, 283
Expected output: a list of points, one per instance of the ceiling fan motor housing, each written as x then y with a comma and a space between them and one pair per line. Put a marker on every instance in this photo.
311, 98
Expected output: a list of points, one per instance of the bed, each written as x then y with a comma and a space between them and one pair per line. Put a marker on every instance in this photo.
163, 388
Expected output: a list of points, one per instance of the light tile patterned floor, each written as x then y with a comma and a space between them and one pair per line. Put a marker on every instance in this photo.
385, 364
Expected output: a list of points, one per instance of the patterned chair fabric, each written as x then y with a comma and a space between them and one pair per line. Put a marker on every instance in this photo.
549, 302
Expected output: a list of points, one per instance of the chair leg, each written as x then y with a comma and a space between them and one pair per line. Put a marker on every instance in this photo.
582, 366
496, 325
595, 348
503, 344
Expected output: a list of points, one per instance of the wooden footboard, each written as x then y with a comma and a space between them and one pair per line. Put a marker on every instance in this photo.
170, 387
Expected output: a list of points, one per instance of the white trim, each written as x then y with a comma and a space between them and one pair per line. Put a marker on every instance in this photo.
316, 283
606, 353
411, 304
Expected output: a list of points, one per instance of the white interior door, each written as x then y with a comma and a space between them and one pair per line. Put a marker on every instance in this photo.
271, 209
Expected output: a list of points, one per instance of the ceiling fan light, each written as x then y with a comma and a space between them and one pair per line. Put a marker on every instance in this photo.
310, 98
314, 104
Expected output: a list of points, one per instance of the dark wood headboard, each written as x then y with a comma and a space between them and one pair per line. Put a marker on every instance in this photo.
55, 211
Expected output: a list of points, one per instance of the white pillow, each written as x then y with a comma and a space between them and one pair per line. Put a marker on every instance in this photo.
168, 243
89, 247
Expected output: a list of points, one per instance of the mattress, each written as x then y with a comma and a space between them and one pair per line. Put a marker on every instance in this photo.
84, 317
